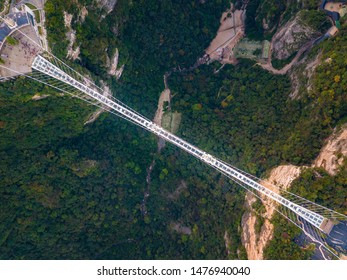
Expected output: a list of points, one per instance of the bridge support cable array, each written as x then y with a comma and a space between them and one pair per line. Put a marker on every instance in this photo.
53, 72
311, 232
70, 78
312, 206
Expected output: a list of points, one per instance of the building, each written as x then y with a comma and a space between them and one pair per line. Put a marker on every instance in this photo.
14, 21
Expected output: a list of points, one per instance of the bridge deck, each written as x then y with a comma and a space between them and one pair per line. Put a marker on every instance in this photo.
50, 69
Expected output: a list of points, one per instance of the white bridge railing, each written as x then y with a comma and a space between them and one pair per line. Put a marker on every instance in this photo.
46, 67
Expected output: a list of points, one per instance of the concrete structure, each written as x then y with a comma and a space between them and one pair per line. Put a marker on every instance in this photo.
20, 24
20, 56
333, 31
11, 23
15, 20
333, 10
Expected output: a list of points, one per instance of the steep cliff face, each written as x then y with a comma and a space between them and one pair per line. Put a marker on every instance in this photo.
330, 158
72, 53
284, 175
253, 242
333, 153
301, 75
108, 5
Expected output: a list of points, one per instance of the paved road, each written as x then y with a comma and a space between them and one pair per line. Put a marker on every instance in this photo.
310, 235
39, 4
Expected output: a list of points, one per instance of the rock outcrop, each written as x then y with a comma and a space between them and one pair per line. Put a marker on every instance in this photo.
113, 71
301, 75
332, 154
330, 158
72, 53
178, 227
253, 242
291, 37
108, 5
83, 13
37, 97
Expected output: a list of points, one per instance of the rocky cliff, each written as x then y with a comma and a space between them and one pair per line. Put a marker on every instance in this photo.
256, 242
330, 158
333, 153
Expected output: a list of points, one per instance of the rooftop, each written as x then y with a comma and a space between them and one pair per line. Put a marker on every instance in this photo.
11, 23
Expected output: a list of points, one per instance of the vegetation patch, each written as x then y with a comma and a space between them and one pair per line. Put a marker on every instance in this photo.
315, 19
12, 41
36, 12
2, 2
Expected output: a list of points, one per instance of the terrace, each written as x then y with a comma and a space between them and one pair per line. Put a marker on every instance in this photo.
11, 23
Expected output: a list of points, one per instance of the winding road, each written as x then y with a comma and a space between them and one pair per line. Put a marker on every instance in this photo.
268, 66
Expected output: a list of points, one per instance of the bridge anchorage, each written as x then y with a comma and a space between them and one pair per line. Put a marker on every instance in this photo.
324, 226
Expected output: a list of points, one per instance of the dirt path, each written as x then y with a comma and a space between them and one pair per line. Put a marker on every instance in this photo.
165, 96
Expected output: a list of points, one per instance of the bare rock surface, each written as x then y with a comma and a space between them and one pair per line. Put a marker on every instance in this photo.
178, 227
113, 64
332, 154
253, 242
39, 97
290, 38
83, 14
108, 5
330, 158
71, 36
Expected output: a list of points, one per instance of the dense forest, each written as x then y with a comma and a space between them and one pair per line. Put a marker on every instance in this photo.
75, 191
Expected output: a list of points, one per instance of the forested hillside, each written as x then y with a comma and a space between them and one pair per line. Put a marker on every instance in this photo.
75, 191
